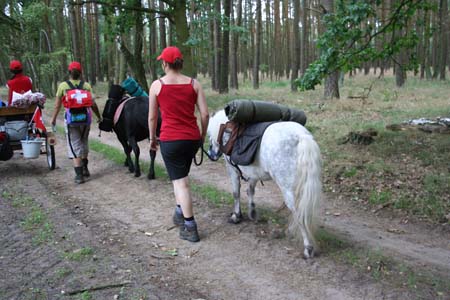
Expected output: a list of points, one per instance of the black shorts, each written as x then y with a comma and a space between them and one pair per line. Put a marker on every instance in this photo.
177, 156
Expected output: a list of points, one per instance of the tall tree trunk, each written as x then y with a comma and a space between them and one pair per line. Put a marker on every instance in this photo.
436, 44
217, 44
162, 28
287, 38
212, 52
234, 84
443, 27
134, 59
79, 21
153, 40
91, 44
97, 44
305, 37
257, 56
269, 41
223, 88
425, 42
277, 40
182, 35
60, 41
74, 32
428, 35
331, 89
296, 52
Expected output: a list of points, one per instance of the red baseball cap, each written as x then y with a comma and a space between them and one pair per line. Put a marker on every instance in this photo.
170, 54
15, 65
75, 66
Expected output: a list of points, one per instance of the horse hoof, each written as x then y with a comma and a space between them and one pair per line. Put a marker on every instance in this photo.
252, 215
235, 218
137, 174
151, 176
308, 252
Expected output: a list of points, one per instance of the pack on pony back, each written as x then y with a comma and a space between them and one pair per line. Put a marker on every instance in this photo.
77, 102
228, 133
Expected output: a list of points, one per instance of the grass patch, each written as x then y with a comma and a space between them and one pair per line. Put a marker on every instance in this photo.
378, 266
379, 197
212, 194
79, 254
330, 243
35, 219
85, 296
117, 156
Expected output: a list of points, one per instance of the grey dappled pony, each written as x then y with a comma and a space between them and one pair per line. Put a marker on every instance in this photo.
289, 155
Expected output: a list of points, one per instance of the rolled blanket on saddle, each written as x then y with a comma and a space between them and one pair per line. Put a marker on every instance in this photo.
254, 111
133, 88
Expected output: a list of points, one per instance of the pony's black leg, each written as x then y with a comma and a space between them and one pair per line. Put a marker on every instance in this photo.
127, 150
251, 204
151, 171
236, 215
136, 150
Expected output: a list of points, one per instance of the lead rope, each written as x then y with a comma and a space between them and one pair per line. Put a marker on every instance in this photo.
241, 175
202, 150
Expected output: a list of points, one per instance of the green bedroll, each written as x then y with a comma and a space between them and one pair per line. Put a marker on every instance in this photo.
254, 111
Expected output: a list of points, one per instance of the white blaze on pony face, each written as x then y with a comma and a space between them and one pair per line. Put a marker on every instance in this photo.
213, 129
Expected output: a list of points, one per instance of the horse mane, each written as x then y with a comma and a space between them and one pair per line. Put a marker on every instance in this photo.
217, 118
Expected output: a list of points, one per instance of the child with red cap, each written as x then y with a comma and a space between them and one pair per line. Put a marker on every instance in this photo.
76, 135
19, 83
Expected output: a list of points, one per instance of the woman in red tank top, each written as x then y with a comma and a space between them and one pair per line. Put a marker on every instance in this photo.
177, 96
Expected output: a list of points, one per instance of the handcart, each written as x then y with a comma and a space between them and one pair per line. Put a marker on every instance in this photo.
26, 132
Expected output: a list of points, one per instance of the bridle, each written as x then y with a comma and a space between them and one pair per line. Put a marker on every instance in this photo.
203, 151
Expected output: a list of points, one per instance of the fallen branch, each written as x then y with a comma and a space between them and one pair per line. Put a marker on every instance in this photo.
162, 257
99, 287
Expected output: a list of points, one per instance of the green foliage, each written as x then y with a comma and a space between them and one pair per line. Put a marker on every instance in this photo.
348, 40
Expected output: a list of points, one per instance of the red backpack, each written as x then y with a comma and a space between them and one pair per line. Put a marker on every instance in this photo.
77, 97
77, 102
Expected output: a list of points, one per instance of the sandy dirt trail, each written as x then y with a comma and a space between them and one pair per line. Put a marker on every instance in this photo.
127, 223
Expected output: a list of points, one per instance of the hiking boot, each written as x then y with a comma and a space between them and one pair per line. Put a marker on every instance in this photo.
79, 175
189, 233
178, 219
85, 168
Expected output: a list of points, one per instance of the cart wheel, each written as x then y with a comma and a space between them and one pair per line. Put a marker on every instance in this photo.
50, 151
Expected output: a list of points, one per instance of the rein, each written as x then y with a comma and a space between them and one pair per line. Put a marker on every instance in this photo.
201, 157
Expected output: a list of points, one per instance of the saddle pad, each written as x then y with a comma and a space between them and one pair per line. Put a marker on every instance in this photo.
247, 144
119, 109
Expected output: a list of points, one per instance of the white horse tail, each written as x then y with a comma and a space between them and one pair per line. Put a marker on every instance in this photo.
308, 192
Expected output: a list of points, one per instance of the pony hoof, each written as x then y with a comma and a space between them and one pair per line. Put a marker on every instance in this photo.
252, 215
235, 218
151, 176
308, 252
137, 174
